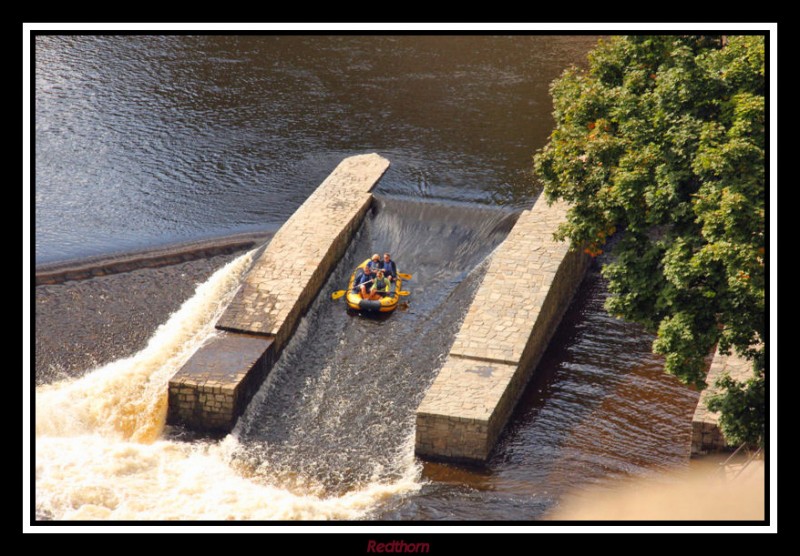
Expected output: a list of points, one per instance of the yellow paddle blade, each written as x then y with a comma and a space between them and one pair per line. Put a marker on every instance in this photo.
338, 294
403, 293
404, 276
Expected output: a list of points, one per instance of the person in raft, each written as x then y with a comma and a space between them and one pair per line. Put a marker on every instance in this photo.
364, 280
388, 267
374, 263
380, 286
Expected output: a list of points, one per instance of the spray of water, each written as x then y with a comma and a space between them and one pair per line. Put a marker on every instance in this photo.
127, 399
330, 434
101, 452
89, 477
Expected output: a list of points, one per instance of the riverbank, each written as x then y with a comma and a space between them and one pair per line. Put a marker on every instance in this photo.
81, 324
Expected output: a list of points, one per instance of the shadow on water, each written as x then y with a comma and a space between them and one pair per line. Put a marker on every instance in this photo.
337, 411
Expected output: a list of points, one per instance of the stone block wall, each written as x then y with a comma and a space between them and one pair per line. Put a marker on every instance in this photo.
216, 384
286, 278
506, 330
560, 292
210, 391
454, 420
706, 434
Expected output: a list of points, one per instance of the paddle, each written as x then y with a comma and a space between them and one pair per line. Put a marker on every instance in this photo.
404, 276
339, 293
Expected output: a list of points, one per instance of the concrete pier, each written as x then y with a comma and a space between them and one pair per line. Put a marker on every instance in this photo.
216, 384
528, 286
706, 434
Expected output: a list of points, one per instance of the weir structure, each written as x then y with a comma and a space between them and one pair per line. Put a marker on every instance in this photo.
215, 385
504, 334
706, 435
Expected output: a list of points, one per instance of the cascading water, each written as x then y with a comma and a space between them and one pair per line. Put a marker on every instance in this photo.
126, 399
337, 412
330, 434
145, 140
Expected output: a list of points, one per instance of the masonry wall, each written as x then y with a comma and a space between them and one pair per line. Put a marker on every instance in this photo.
706, 434
212, 389
504, 334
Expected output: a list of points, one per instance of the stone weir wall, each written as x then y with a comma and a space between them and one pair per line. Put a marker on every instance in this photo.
706, 434
213, 388
504, 334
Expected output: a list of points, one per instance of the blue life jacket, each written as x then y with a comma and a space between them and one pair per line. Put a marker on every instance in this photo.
361, 278
389, 269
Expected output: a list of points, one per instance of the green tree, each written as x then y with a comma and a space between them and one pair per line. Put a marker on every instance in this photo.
663, 138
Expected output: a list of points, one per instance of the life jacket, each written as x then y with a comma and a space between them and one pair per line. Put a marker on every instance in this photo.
389, 268
362, 277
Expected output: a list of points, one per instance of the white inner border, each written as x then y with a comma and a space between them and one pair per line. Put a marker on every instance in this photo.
399, 530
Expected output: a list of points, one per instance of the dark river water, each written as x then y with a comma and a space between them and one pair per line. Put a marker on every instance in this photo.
145, 141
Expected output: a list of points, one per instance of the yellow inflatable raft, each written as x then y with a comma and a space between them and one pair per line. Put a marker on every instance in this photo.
385, 304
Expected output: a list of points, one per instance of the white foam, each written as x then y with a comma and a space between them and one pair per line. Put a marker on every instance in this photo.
127, 398
100, 453
88, 477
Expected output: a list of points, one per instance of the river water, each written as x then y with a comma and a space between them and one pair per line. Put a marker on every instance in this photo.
144, 141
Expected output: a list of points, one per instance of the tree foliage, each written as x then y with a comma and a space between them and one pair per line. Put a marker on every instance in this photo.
664, 137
